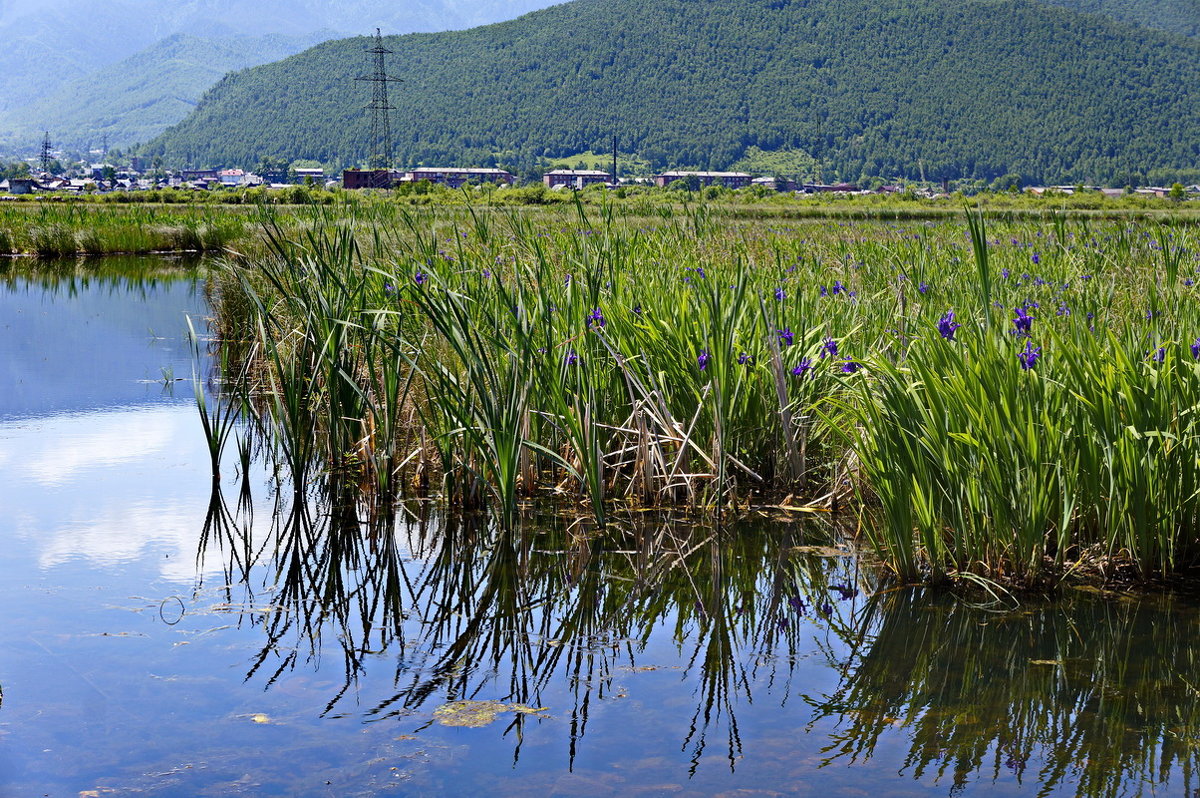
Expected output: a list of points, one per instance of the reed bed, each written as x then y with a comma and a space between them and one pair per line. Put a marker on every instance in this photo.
69, 229
1007, 401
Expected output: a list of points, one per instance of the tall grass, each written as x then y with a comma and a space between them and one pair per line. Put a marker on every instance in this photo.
608, 357
52, 231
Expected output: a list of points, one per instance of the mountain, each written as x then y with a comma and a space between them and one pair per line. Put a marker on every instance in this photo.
960, 88
48, 44
142, 96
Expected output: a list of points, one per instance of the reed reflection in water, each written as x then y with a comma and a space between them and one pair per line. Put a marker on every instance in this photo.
467, 610
1088, 694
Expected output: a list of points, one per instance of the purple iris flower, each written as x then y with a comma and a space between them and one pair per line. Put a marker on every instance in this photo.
824, 291
421, 278
923, 288
947, 325
780, 294
1036, 258
702, 359
595, 318
743, 359
829, 348
838, 288
1004, 273
850, 366
1022, 322
1029, 355
1159, 354
572, 358
786, 337
803, 368
1196, 349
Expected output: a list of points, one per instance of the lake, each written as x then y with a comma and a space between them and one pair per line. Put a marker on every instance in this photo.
163, 632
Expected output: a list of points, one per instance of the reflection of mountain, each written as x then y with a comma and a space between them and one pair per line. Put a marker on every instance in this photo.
112, 338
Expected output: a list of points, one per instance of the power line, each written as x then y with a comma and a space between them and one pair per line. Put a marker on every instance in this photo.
47, 154
381, 126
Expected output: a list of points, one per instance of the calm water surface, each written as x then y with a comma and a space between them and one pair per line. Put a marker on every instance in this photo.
165, 634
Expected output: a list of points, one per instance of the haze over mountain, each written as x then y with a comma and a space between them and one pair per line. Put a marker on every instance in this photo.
50, 43
956, 88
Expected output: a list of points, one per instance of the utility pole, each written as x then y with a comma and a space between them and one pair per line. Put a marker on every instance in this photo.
46, 152
381, 126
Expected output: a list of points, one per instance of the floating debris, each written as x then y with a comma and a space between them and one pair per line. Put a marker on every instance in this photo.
476, 714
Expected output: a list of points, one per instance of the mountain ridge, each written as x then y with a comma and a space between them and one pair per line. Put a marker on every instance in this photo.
967, 88
49, 43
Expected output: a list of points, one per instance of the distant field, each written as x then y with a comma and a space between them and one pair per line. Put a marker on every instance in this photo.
171, 221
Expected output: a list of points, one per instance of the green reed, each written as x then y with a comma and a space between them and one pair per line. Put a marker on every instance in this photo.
59, 230
665, 355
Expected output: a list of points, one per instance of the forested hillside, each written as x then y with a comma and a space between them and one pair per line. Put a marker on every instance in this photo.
964, 88
1174, 16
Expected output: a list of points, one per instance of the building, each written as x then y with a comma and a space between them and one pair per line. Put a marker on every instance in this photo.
726, 179
194, 175
316, 175
457, 177
828, 188
19, 185
775, 183
355, 179
575, 178
232, 177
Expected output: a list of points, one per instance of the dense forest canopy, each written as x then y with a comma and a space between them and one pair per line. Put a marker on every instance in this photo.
952, 89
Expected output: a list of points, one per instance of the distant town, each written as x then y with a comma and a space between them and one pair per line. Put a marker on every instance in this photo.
136, 175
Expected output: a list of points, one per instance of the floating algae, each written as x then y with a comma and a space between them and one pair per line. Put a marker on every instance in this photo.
476, 714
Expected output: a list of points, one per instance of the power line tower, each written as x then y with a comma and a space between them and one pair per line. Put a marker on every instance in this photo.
381, 125
47, 155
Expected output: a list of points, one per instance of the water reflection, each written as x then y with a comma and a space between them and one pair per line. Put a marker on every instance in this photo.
85, 336
1096, 695
1088, 694
468, 611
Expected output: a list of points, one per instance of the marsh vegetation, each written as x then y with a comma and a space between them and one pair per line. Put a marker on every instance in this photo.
1005, 400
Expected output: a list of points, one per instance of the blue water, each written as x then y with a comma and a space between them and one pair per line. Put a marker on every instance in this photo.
160, 638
